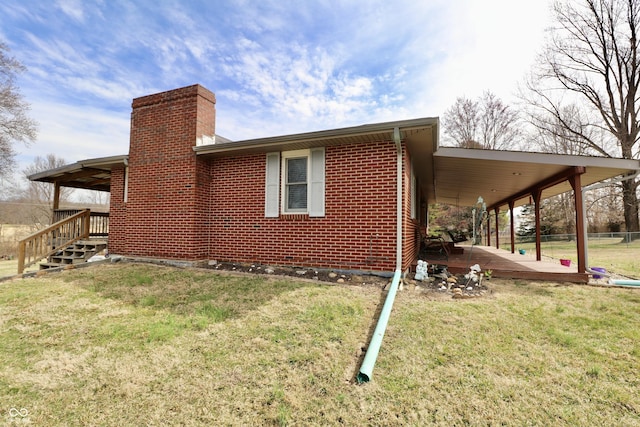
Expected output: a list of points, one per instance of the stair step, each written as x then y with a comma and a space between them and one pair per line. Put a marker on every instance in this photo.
91, 242
73, 252
76, 253
48, 265
67, 259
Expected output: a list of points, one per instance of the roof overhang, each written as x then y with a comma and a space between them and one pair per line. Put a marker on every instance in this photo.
90, 174
462, 175
420, 136
409, 130
448, 175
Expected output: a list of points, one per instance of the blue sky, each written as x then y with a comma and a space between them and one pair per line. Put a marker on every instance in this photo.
276, 66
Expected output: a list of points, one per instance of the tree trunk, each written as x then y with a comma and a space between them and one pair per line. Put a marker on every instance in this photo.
630, 201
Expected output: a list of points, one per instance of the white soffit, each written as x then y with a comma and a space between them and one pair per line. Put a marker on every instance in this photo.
462, 175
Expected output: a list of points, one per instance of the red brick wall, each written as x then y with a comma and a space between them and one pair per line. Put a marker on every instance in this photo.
357, 232
180, 206
168, 187
117, 212
409, 226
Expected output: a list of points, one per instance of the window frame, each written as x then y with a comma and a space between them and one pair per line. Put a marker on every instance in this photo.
274, 189
285, 156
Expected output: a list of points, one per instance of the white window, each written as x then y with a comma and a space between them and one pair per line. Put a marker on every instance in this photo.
295, 181
299, 177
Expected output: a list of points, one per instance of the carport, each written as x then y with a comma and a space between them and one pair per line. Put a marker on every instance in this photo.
508, 179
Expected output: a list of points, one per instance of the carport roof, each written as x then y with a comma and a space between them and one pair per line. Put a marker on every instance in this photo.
461, 175
446, 175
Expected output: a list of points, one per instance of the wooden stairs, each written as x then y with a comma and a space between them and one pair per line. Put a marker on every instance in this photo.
76, 253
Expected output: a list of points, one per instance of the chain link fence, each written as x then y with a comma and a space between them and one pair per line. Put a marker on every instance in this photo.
618, 252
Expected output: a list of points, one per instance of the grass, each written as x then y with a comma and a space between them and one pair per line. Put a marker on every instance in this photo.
612, 254
126, 344
9, 268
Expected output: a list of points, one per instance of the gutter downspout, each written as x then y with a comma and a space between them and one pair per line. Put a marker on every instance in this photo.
396, 139
366, 370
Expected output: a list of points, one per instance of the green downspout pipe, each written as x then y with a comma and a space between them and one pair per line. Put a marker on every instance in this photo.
366, 370
370, 357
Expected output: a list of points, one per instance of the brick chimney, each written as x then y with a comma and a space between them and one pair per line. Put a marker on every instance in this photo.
166, 210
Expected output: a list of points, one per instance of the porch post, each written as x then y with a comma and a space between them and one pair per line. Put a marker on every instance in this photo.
512, 227
56, 201
488, 229
580, 240
537, 195
497, 211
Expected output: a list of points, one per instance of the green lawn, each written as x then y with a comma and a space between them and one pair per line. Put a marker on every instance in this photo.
127, 345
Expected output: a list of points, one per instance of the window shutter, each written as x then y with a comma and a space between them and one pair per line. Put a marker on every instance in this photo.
272, 186
316, 195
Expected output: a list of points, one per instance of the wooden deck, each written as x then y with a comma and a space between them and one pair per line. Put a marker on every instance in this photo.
504, 264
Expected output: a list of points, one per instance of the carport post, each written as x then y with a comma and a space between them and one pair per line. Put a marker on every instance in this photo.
537, 197
580, 235
512, 227
488, 229
497, 211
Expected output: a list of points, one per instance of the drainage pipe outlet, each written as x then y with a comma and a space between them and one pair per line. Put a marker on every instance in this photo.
366, 370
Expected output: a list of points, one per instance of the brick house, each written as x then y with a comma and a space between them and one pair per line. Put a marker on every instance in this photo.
325, 199
346, 199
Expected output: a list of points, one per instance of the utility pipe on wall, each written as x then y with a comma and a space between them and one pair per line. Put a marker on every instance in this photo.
396, 139
366, 370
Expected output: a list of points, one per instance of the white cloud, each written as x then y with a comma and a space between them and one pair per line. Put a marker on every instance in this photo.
76, 132
275, 69
491, 47
72, 8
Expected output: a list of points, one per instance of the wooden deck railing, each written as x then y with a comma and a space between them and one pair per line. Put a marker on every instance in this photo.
46, 242
98, 226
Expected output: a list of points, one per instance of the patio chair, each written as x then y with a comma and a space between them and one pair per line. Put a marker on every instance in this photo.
435, 246
457, 237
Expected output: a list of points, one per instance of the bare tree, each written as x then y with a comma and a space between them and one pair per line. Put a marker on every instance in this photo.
461, 122
591, 61
95, 198
551, 136
484, 123
499, 128
40, 194
15, 125
601, 216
